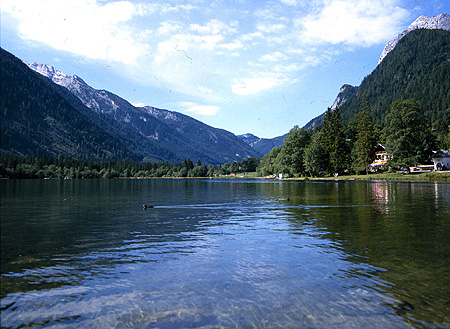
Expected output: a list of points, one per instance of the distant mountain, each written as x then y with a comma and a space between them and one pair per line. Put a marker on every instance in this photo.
152, 133
441, 21
262, 145
415, 66
36, 120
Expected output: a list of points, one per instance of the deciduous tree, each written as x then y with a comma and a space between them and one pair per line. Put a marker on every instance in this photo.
409, 138
365, 141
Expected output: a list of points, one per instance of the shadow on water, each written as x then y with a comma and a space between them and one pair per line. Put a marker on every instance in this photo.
395, 233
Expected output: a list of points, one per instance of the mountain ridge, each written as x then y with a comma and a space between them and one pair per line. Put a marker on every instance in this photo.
37, 120
263, 145
174, 131
439, 22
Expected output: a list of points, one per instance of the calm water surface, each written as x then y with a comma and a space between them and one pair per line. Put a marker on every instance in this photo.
224, 254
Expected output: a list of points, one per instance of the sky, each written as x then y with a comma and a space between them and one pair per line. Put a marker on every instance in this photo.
257, 67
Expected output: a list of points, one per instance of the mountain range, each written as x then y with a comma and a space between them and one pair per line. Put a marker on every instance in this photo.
45, 112
148, 133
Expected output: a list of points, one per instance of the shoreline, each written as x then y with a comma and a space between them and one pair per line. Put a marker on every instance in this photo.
434, 176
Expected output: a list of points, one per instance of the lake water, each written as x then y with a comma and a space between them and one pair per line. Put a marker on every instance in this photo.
224, 254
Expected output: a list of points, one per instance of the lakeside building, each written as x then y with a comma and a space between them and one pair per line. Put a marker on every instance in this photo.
381, 156
441, 160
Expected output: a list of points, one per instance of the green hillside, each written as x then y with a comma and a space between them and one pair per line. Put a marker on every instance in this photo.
418, 68
36, 120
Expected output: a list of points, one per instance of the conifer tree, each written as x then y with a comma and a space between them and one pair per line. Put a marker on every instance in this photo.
333, 140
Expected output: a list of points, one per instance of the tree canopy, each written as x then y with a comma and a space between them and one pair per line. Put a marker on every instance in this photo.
409, 138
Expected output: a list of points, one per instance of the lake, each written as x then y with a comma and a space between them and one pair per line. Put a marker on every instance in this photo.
224, 254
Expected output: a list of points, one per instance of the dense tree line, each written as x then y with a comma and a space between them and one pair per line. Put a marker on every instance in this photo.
13, 166
335, 148
332, 148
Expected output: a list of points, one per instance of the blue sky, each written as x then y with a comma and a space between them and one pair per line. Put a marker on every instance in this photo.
244, 66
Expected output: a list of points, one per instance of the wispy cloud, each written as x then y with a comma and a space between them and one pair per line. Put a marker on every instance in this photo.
249, 86
273, 57
84, 27
244, 50
353, 22
193, 108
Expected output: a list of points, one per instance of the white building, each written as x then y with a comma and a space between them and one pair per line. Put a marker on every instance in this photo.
441, 160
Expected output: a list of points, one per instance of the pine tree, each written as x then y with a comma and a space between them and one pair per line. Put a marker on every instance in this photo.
334, 141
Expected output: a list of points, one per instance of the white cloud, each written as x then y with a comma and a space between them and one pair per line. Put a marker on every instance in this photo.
194, 108
208, 42
354, 22
169, 27
289, 2
85, 27
273, 57
248, 86
271, 28
144, 9
214, 26
251, 36
177, 46
232, 45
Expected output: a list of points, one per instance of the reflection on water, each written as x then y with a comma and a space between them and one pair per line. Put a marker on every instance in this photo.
233, 254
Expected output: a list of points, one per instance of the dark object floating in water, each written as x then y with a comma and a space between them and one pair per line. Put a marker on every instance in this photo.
144, 206
288, 199
403, 307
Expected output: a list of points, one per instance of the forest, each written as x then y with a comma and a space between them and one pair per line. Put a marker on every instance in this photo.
13, 166
335, 149
331, 149
403, 104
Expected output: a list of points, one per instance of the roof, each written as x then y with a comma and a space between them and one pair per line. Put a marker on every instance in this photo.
441, 154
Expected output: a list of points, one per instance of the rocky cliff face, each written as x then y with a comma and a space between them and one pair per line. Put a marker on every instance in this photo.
441, 21
97, 100
345, 93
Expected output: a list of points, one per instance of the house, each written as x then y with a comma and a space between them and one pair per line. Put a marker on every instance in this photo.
381, 156
441, 160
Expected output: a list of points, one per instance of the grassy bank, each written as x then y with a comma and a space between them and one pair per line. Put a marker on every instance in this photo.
434, 176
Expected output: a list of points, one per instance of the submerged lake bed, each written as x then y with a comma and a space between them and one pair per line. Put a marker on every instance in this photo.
224, 254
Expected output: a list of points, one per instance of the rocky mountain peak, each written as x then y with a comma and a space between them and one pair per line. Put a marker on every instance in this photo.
56, 76
441, 21
345, 93
48, 71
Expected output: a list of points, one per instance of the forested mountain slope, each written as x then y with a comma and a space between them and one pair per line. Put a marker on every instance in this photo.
36, 120
418, 67
153, 134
